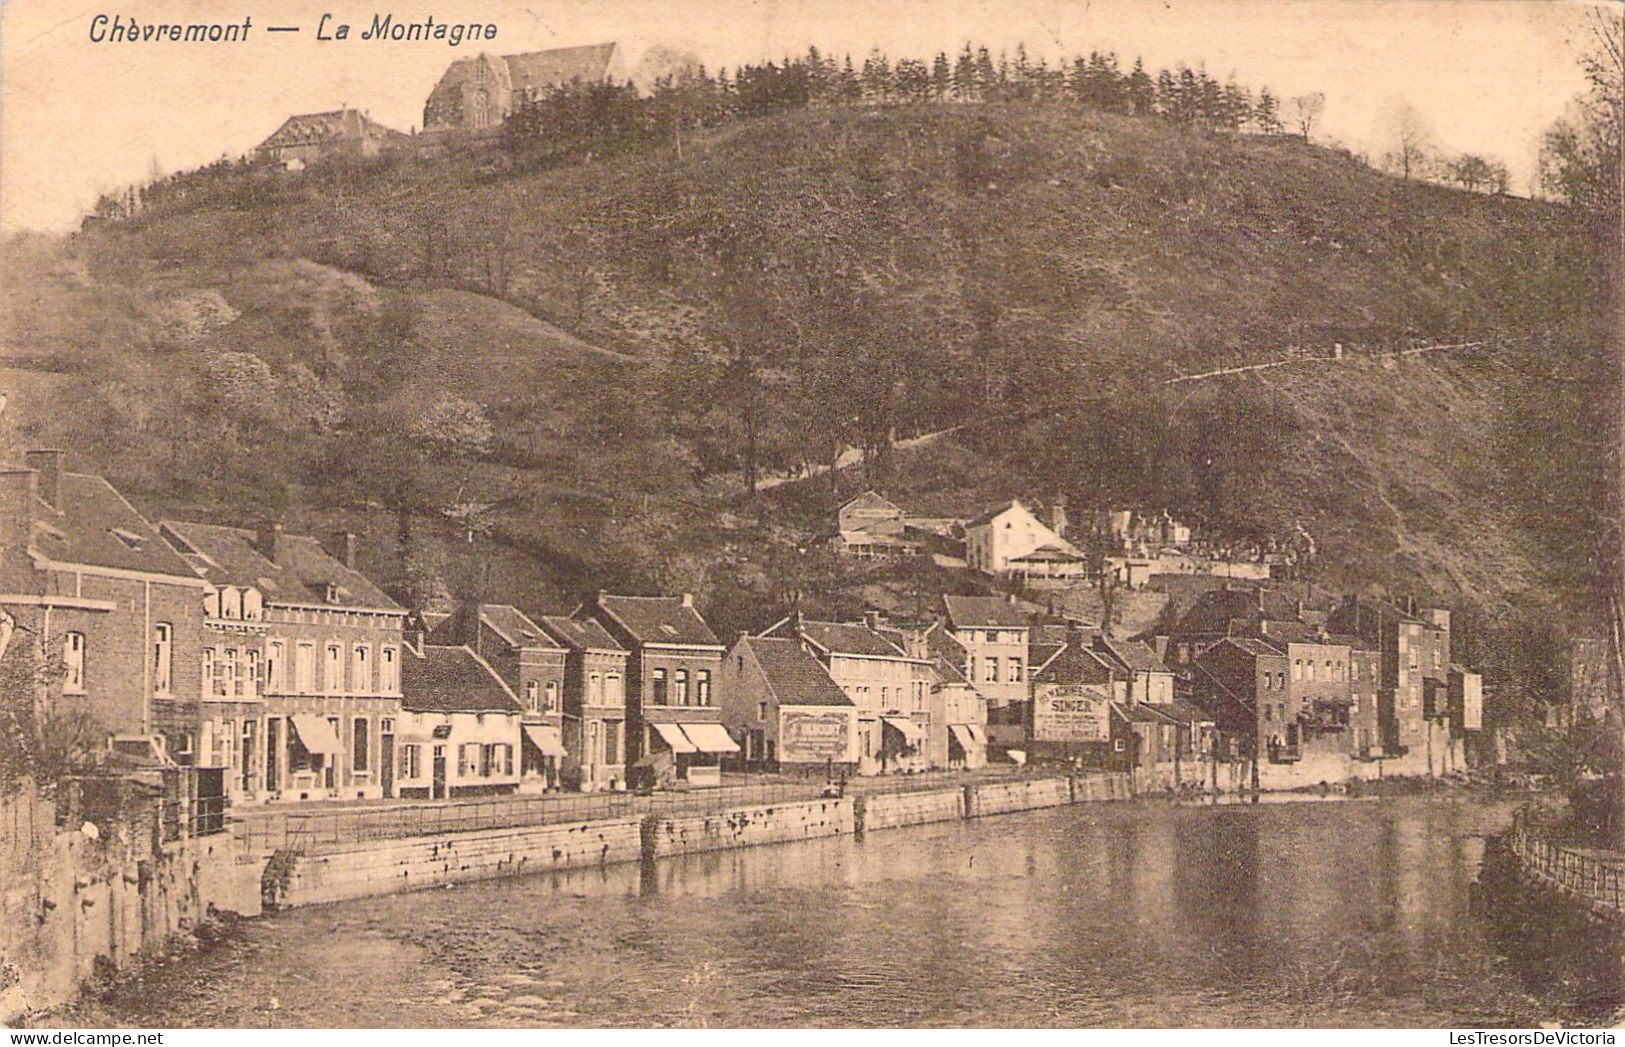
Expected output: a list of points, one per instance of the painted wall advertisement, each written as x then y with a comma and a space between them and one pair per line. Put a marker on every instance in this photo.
813, 737
1071, 714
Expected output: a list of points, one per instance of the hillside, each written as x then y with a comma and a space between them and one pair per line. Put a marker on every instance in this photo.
570, 366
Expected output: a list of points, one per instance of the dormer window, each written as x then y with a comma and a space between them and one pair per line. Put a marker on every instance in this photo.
332, 592
130, 539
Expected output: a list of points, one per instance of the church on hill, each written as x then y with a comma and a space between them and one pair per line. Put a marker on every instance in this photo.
477, 94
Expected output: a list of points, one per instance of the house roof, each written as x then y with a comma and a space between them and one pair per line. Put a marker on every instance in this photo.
302, 574
1215, 610
513, 625
659, 619
452, 680
97, 527
870, 500
992, 514
338, 125
539, 70
1254, 647
794, 676
580, 634
1137, 712
1135, 656
982, 612
1350, 641
1183, 711
854, 638
1074, 664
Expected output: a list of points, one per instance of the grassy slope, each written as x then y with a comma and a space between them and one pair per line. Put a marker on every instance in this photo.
1115, 247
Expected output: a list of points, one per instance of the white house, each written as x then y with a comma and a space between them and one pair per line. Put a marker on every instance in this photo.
1012, 540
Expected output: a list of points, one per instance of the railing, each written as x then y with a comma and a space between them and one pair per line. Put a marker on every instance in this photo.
317, 832
1599, 881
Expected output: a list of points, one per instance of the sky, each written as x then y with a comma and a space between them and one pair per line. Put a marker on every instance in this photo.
78, 117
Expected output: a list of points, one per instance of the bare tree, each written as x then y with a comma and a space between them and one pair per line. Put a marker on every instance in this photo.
1413, 145
1306, 111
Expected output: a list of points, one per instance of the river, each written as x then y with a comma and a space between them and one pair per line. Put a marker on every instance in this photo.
1351, 913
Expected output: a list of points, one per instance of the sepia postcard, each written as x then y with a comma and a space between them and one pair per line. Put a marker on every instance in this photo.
738, 514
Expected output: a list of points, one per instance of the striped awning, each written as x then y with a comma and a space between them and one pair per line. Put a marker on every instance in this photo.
545, 738
316, 734
674, 738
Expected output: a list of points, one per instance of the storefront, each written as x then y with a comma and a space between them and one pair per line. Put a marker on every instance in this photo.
967, 746
541, 754
697, 750
902, 745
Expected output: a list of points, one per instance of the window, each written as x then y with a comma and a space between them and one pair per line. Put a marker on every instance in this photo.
251, 674
595, 689
488, 758
333, 674
761, 712
162, 658
389, 670
73, 663
680, 686
657, 688
1118, 745
533, 696
208, 671
1297, 668
702, 687
275, 665
507, 758
231, 674
1013, 667
411, 761
360, 750
990, 670
612, 741
553, 694
1269, 712
304, 674
361, 669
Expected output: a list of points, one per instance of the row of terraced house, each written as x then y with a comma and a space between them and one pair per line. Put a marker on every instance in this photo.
271, 660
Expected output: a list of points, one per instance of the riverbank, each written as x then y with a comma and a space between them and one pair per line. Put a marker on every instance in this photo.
1047, 918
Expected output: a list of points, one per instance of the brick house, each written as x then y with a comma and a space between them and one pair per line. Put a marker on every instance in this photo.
532, 663
673, 713
786, 709
301, 664
1243, 684
1414, 646
889, 688
595, 708
994, 634
112, 611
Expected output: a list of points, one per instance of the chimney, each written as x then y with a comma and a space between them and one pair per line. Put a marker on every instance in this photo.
343, 548
18, 489
48, 463
269, 542
688, 599
1057, 516
872, 618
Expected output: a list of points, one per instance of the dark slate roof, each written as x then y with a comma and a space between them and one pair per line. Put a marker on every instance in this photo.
982, 518
1255, 647
540, 70
452, 680
580, 634
1350, 641
338, 125
658, 619
1136, 712
515, 626
98, 528
1136, 656
870, 500
794, 676
1183, 711
1288, 632
1075, 664
1214, 610
228, 556
980, 612
853, 638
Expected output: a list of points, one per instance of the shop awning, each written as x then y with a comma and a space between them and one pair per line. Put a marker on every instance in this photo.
545, 738
710, 738
674, 738
962, 735
316, 734
912, 732
977, 735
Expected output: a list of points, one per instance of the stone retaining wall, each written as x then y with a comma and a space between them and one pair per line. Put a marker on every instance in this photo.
890, 810
1004, 797
389, 867
747, 827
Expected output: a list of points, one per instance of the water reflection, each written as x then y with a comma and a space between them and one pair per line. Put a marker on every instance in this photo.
1124, 914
